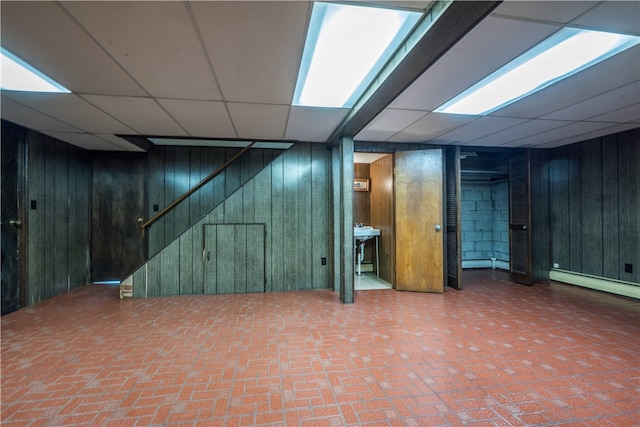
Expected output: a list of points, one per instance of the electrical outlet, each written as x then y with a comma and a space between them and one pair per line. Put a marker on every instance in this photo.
628, 268
323, 260
156, 208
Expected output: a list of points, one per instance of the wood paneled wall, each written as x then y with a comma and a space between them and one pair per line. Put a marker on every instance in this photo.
58, 181
595, 205
540, 216
290, 196
361, 198
382, 213
174, 170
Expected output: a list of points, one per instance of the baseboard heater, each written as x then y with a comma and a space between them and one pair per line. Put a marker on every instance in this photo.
618, 287
485, 263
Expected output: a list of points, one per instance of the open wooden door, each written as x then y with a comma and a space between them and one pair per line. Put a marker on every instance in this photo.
453, 217
419, 241
520, 219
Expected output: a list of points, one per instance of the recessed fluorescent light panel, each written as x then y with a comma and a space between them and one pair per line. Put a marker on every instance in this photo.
346, 47
17, 75
564, 54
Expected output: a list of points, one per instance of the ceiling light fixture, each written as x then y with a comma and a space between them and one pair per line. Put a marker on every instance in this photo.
564, 54
346, 47
15, 74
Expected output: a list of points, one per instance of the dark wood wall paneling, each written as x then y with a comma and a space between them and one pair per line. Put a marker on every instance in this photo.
118, 243
540, 216
174, 170
290, 196
382, 213
59, 177
13, 148
595, 200
361, 199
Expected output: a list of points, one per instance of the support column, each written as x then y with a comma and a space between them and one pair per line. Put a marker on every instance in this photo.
346, 259
336, 209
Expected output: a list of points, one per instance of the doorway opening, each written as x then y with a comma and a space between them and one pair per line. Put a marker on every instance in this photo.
373, 207
484, 204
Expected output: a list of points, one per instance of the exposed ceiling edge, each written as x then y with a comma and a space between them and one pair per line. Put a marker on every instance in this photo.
455, 21
149, 142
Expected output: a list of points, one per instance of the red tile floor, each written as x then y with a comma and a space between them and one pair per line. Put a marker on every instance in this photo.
496, 353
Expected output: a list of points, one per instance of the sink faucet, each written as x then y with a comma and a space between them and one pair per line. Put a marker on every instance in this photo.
358, 225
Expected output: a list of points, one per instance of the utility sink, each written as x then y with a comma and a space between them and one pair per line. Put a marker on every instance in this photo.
362, 234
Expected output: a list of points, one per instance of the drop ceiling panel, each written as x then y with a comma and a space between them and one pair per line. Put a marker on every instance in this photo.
70, 108
630, 114
599, 105
85, 140
388, 123
394, 120
368, 157
517, 133
153, 41
559, 133
313, 124
614, 16
28, 117
472, 59
44, 35
479, 128
550, 11
201, 118
431, 127
255, 47
597, 133
143, 115
257, 121
119, 142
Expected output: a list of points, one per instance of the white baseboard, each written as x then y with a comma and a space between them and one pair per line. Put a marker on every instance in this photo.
485, 263
618, 287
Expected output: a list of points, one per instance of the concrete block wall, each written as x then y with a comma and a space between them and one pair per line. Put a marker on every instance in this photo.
500, 197
485, 221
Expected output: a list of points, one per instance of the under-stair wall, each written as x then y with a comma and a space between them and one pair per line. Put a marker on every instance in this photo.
174, 170
290, 196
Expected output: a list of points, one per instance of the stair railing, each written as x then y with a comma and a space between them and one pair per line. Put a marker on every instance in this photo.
195, 188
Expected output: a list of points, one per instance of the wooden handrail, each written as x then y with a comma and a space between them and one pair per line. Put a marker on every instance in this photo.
196, 187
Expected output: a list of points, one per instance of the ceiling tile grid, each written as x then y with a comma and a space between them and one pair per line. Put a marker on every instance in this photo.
155, 42
228, 69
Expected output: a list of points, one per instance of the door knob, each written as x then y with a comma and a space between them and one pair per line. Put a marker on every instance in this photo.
15, 222
438, 228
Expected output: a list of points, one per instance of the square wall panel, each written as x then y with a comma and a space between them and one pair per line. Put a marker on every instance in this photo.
431, 127
86, 141
255, 46
155, 42
144, 115
313, 124
72, 109
43, 34
200, 118
28, 117
258, 121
